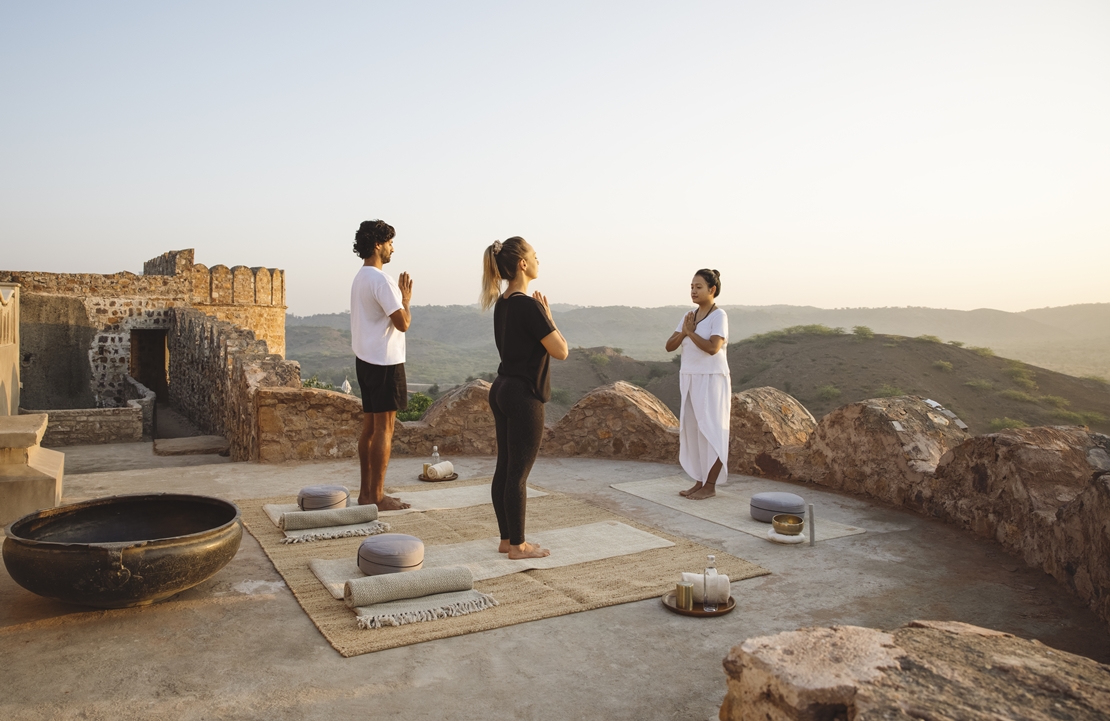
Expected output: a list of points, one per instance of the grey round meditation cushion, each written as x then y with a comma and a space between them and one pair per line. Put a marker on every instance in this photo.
319, 498
766, 506
390, 553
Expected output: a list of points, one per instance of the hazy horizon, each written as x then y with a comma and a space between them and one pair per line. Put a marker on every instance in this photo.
571, 306
853, 155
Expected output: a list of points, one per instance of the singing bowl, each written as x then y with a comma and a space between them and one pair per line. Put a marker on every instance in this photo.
787, 524
122, 551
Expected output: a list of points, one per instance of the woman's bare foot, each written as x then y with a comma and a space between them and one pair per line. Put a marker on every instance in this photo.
389, 503
503, 547
707, 491
688, 491
528, 550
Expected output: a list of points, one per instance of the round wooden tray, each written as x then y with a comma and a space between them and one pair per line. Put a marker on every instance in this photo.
452, 477
668, 601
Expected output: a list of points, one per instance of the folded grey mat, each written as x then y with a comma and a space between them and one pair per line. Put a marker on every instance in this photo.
300, 520
412, 584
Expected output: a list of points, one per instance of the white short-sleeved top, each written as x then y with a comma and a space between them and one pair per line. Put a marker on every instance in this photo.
374, 297
694, 359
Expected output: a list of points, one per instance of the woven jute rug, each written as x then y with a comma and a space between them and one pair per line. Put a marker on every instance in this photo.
526, 596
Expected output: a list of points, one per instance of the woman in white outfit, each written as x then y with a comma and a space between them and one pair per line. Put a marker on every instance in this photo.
706, 387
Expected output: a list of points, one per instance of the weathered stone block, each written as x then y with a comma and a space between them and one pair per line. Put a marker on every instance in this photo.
924, 670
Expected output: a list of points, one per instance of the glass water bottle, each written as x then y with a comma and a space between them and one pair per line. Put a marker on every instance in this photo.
435, 455
709, 602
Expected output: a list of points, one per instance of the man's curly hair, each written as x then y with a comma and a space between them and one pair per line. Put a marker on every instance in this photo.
371, 234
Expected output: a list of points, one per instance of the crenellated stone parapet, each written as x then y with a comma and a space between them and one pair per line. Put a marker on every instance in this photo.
764, 420
616, 421
79, 327
884, 448
216, 370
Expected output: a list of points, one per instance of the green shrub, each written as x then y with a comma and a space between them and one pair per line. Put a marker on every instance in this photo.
788, 335
863, 331
1071, 417
619, 351
888, 391
1016, 395
676, 359
1097, 379
944, 366
982, 350
1001, 424
957, 343
1056, 401
418, 404
828, 392
1021, 375
656, 372
315, 382
560, 395
1092, 417
434, 391
980, 384
599, 359
928, 339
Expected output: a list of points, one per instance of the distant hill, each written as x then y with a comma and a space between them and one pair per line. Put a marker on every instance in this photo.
1071, 339
827, 370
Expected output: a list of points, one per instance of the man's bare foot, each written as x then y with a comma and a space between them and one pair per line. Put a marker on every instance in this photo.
688, 491
389, 503
707, 491
503, 547
528, 550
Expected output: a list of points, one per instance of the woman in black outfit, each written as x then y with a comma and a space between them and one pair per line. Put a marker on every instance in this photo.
527, 339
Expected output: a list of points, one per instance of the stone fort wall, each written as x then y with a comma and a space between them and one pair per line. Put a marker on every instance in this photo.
77, 327
216, 370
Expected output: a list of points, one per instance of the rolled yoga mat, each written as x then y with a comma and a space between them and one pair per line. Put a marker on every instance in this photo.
414, 584
299, 520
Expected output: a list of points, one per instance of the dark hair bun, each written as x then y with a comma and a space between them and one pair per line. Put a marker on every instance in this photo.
712, 278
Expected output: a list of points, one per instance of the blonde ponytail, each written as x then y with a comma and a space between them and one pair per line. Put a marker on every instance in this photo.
499, 262
491, 277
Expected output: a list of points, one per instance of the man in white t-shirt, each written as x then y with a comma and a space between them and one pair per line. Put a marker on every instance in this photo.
379, 318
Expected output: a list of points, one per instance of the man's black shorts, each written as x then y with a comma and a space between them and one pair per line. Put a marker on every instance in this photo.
384, 388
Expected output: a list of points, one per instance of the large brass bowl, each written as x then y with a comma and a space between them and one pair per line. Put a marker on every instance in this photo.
788, 524
122, 551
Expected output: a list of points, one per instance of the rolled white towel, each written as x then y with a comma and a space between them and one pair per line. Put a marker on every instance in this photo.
440, 470
719, 589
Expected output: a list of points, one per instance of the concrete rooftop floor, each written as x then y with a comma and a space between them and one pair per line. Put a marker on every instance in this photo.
239, 645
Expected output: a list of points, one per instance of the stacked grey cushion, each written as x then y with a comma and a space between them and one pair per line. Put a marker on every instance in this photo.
766, 506
321, 498
390, 553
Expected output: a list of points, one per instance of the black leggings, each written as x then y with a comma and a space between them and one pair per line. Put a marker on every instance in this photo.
518, 415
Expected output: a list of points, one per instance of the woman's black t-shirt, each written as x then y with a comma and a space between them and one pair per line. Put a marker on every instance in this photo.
519, 324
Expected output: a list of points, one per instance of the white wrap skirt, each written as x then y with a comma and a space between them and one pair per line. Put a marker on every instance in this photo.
703, 423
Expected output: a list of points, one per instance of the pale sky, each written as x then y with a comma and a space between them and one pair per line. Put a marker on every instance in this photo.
944, 154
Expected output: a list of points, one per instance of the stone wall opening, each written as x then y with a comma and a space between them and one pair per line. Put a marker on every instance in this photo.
150, 360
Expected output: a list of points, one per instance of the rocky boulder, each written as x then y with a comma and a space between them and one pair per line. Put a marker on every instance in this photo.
884, 448
1042, 492
764, 420
924, 670
460, 422
616, 421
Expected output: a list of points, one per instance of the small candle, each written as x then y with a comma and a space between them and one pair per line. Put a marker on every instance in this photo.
684, 596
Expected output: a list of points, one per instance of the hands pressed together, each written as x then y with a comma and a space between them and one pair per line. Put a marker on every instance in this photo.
405, 285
